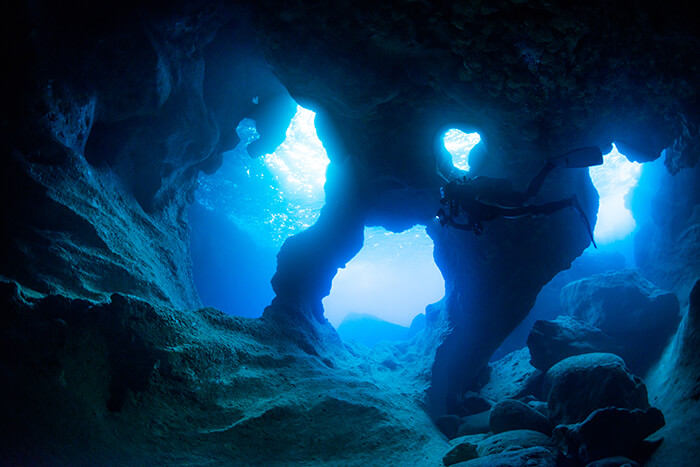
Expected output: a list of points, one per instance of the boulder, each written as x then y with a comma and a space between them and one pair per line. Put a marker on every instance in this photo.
512, 376
463, 449
474, 424
473, 403
511, 440
610, 432
540, 406
579, 385
511, 414
617, 461
624, 305
550, 342
530, 457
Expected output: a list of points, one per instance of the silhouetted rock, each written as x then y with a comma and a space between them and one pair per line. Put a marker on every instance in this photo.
550, 342
511, 414
579, 385
474, 424
530, 457
639, 316
610, 432
513, 439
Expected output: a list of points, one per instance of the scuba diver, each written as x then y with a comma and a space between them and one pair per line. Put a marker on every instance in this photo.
481, 199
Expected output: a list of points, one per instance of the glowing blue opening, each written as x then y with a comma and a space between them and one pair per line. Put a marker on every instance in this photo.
614, 180
277, 195
393, 278
459, 144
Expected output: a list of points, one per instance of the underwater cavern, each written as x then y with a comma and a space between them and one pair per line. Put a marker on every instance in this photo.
402, 233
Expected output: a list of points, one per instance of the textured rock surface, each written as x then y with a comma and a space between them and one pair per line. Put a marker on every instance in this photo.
124, 382
531, 457
667, 245
512, 414
610, 432
464, 449
624, 305
512, 440
616, 461
550, 342
512, 377
577, 386
673, 387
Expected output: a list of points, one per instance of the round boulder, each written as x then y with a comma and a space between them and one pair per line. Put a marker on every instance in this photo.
577, 386
511, 414
511, 440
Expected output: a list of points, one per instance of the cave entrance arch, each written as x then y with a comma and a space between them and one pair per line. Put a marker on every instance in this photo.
244, 212
382, 292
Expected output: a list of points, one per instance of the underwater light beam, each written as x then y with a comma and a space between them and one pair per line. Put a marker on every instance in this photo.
459, 144
614, 180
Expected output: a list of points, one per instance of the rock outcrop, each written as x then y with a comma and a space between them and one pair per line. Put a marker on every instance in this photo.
550, 342
610, 432
638, 316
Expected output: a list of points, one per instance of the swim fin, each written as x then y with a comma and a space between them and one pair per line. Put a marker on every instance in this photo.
579, 158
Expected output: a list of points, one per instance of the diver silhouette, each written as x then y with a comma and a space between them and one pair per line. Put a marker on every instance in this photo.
482, 199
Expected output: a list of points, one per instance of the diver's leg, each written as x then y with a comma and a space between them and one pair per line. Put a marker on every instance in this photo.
537, 182
578, 158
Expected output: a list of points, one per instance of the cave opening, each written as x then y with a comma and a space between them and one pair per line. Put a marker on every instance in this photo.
382, 293
617, 181
244, 212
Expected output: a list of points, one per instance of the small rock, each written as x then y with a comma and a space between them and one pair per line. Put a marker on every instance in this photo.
448, 425
474, 424
530, 457
474, 403
515, 439
579, 385
540, 406
511, 414
614, 462
475, 439
610, 432
463, 449
552, 341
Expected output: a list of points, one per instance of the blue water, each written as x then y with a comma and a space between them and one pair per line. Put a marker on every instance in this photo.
245, 211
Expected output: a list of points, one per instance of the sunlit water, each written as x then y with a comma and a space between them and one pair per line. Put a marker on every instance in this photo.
277, 195
459, 143
614, 181
393, 278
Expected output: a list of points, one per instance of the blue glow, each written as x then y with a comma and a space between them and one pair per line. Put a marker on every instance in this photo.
459, 143
614, 180
393, 278
277, 195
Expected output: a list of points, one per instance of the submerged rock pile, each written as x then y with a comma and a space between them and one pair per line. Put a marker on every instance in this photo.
589, 409
570, 398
